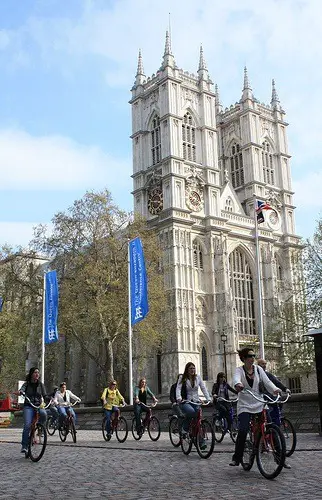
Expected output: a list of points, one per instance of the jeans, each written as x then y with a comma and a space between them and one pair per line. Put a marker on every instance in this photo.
54, 412
138, 409
28, 415
190, 411
64, 411
108, 415
274, 415
243, 427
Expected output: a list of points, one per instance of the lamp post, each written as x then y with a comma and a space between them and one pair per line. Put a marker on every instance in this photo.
223, 337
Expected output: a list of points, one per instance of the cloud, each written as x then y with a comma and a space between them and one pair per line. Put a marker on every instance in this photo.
54, 162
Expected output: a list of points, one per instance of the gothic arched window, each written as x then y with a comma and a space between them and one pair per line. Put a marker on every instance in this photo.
242, 286
267, 161
156, 140
197, 255
236, 166
189, 138
229, 205
204, 363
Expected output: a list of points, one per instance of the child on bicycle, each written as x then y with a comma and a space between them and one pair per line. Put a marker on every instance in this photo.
111, 399
63, 400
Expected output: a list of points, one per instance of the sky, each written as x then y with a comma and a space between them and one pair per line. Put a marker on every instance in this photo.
67, 67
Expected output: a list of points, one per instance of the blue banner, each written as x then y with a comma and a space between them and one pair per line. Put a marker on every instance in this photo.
51, 308
1, 303
138, 282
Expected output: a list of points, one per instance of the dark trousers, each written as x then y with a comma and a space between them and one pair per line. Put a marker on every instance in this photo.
243, 427
223, 411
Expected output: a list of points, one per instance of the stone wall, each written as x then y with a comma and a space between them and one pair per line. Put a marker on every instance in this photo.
301, 409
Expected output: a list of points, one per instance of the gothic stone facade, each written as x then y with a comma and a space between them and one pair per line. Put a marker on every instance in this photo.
196, 169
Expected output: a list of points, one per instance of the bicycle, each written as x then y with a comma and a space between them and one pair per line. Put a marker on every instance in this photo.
200, 434
288, 430
149, 423
265, 442
220, 425
37, 440
68, 426
175, 423
52, 424
118, 425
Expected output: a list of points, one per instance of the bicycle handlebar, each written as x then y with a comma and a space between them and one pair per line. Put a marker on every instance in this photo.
199, 403
68, 405
219, 398
270, 400
147, 406
34, 406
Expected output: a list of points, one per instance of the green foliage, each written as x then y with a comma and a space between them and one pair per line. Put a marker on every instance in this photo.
88, 248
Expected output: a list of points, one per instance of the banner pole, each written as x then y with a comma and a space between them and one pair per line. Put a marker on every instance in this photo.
130, 328
259, 282
42, 371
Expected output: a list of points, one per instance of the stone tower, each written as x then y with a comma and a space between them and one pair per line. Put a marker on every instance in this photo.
196, 170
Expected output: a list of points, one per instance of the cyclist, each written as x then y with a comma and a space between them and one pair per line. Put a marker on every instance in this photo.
249, 377
142, 391
63, 400
111, 399
221, 388
187, 391
36, 392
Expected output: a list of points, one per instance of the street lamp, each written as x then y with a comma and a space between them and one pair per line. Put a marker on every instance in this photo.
224, 337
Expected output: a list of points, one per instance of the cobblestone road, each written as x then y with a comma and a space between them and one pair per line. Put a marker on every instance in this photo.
145, 470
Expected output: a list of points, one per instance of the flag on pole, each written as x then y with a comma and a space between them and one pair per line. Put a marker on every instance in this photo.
51, 307
138, 282
1, 303
260, 206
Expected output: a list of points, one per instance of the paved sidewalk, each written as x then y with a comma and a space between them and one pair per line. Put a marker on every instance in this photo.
92, 468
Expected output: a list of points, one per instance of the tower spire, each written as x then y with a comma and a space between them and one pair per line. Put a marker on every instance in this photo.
247, 89
140, 76
217, 100
168, 59
202, 70
275, 102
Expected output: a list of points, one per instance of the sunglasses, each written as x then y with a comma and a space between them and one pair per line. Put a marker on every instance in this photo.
251, 356
113, 384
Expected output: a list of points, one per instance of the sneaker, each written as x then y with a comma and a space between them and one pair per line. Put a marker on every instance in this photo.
287, 466
203, 446
24, 450
234, 463
217, 422
184, 434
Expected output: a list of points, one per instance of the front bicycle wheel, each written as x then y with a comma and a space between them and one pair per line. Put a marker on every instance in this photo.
121, 430
219, 429
174, 431
234, 429
51, 425
72, 429
135, 434
205, 440
154, 429
289, 432
270, 452
63, 431
186, 443
37, 442
248, 455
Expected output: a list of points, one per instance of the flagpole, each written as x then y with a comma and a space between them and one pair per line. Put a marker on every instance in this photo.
130, 328
259, 284
42, 371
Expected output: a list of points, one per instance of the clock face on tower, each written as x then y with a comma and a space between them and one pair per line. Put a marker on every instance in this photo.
155, 201
194, 200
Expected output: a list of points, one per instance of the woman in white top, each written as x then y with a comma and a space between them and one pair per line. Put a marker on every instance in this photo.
248, 376
187, 391
63, 399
